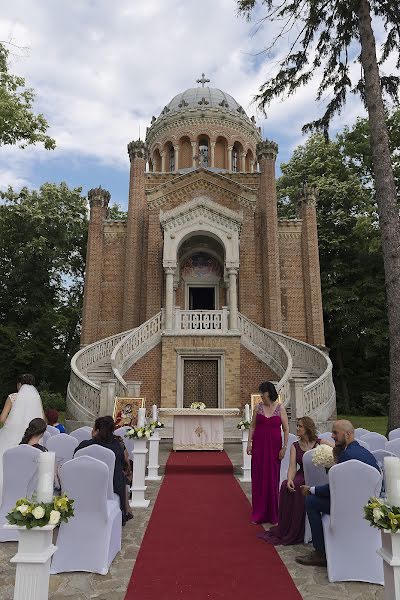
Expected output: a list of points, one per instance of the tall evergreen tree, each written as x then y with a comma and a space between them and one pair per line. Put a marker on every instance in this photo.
327, 34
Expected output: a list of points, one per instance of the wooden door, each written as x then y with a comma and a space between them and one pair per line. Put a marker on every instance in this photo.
200, 382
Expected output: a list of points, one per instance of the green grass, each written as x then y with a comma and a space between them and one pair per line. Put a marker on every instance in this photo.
378, 424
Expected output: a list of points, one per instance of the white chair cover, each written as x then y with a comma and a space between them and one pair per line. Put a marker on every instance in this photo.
380, 456
313, 476
363, 443
92, 538
121, 431
52, 430
87, 427
394, 434
107, 456
44, 439
360, 431
82, 434
351, 543
327, 435
393, 446
63, 445
19, 478
286, 460
375, 441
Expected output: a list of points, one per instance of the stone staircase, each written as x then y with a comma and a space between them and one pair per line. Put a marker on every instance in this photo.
305, 373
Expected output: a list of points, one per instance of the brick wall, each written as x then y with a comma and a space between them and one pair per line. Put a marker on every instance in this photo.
252, 372
148, 371
112, 285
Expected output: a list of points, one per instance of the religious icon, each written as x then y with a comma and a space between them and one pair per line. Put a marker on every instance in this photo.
256, 399
126, 411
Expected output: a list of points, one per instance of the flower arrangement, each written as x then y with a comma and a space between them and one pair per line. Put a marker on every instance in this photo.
382, 515
140, 432
243, 425
30, 513
323, 456
156, 424
198, 405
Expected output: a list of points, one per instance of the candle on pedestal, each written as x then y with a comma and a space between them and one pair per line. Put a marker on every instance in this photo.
392, 479
154, 417
246, 412
141, 417
45, 485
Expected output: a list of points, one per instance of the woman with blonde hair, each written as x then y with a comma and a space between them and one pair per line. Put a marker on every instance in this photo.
291, 521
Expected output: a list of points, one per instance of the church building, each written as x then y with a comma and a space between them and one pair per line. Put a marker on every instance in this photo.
202, 292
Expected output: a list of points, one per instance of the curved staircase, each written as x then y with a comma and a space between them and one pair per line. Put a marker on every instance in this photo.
305, 372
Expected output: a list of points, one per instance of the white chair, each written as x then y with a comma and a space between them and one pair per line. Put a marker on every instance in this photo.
19, 481
313, 476
121, 431
360, 431
286, 459
350, 542
92, 538
375, 441
380, 459
82, 434
393, 446
63, 445
107, 456
326, 436
394, 434
52, 430
44, 439
363, 443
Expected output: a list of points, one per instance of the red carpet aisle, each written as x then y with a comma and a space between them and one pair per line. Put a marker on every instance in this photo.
199, 543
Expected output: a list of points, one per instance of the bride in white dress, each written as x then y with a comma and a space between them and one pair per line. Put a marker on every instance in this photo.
19, 409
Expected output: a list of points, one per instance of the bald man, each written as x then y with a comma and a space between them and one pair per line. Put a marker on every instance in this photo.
318, 501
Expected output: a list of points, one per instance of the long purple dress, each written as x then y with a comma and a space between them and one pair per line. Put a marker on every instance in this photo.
265, 466
290, 528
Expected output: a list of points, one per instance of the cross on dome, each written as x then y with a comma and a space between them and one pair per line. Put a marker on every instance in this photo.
203, 80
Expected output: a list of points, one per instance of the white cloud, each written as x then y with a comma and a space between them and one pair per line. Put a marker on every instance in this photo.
102, 69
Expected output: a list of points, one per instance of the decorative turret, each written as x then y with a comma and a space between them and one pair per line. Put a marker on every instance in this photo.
267, 150
137, 149
99, 197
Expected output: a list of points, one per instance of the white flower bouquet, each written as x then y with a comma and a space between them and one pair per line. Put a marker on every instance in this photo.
323, 456
243, 425
198, 405
382, 515
140, 432
156, 425
30, 513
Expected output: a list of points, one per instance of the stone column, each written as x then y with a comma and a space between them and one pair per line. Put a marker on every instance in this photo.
230, 148
243, 162
176, 157
135, 258
163, 155
169, 296
307, 200
233, 309
212, 154
194, 153
251, 165
98, 201
268, 213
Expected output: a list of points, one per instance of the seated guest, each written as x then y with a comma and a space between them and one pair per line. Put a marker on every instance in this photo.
291, 522
34, 433
52, 419
103, 434
318, 498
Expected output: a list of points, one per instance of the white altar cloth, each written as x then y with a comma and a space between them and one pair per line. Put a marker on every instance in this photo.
196, 429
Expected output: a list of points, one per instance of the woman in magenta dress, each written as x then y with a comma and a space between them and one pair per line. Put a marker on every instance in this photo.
290, 528
265, 447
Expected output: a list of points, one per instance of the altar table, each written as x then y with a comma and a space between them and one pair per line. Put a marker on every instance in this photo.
196, 429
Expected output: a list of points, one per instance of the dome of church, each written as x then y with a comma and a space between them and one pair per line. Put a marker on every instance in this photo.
203, 97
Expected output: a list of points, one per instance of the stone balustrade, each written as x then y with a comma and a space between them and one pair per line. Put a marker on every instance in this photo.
203, 322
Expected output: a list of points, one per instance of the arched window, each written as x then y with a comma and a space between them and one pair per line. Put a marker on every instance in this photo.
171, 156
203, 152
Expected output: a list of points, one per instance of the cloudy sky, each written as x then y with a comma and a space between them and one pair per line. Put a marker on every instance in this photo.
101, 69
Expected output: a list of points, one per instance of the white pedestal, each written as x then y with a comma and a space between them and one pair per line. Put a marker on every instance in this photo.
246, 468
390, 552
35, 549
139, 471
153, 466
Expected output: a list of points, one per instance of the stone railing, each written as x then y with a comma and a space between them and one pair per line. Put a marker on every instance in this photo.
133, 346
83, 395
270, 351
319, 396
204, 322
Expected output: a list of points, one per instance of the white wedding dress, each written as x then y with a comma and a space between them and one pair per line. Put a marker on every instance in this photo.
26, 405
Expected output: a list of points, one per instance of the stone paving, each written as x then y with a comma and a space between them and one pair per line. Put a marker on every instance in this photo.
312, 582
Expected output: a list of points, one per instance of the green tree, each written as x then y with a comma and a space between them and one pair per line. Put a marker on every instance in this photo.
42, 258
18, 124
326, 36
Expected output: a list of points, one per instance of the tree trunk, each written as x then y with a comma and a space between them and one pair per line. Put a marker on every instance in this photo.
386, 198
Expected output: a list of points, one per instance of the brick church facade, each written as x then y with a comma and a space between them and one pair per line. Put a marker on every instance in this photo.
203, 246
